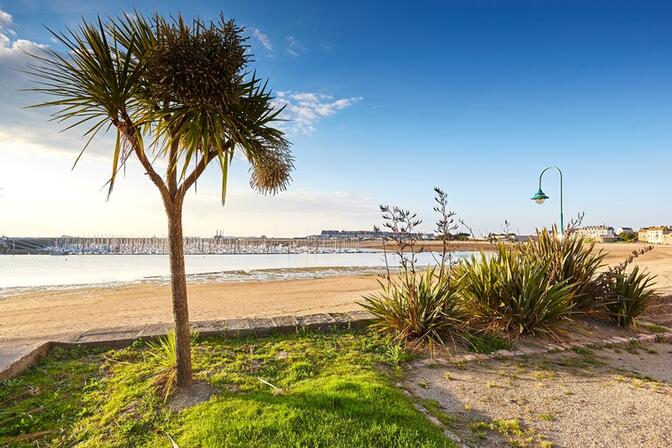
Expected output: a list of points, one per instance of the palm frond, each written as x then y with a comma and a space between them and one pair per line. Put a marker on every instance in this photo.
94, 82
182, 84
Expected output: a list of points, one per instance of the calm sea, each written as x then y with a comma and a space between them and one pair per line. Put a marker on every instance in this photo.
18, 272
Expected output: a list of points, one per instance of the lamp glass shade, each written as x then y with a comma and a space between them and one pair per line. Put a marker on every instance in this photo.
539, 197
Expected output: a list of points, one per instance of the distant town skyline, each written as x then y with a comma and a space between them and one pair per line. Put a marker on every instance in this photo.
472, 97
590, 232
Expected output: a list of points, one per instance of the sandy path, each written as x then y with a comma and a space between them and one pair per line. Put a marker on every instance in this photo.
607, 398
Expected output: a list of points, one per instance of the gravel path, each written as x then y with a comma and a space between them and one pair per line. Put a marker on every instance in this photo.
620, 397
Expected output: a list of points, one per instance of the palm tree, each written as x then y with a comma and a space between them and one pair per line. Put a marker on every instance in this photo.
171, 90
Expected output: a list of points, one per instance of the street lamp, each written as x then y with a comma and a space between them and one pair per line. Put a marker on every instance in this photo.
539, 197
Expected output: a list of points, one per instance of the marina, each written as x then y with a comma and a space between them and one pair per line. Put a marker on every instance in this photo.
159, 246
37, 271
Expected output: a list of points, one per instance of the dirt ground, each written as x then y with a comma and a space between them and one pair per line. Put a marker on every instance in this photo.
610, 397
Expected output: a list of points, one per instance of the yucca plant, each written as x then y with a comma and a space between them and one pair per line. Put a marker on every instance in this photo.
420, 308
512, 295
628, 295
571, 259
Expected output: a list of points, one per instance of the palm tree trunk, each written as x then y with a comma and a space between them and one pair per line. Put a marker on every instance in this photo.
178, 286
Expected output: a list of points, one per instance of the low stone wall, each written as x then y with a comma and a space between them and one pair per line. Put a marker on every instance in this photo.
123, 336
258, 326
530, 350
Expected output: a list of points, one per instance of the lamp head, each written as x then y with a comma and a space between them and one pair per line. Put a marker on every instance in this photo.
539, 197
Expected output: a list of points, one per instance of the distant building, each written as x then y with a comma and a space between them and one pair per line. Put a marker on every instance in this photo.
624, 230
524, 238
511, 237
364, 235
597, 233
655, 235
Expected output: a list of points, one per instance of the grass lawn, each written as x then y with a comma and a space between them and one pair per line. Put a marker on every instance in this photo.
337, 390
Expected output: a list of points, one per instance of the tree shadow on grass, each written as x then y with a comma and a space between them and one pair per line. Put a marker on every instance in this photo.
48, 397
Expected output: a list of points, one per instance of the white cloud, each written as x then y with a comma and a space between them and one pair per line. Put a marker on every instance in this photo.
5, 18
18, 124
11, 46
294, 47
305, 109
262, 38
17, 47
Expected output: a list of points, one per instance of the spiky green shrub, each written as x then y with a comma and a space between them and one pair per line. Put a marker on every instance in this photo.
163, 352
513, 295
627, 295
416, 308
571, 259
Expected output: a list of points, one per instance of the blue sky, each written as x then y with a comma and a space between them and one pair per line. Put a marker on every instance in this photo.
387, 102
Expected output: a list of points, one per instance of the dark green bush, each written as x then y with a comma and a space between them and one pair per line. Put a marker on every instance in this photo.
627, 295
514, 295
416, 307
571, 259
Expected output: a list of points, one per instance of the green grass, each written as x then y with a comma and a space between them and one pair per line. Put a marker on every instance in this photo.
337, 391
486, 342
652, 327
435, 409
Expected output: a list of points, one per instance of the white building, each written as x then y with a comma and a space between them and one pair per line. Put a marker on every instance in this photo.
655, 235
597, 233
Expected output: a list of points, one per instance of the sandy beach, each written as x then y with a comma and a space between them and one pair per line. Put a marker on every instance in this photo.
61, 312
44, 314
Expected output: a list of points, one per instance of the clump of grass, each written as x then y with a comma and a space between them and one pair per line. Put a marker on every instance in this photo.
163, 353
508, 426
436, 410
627, 295
418, 308
511, 429
396, 353
543, 375
479, 426
484, 342
571, 259
511, 295
652, 327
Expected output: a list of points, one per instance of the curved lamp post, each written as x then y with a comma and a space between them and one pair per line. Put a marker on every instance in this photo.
539, 197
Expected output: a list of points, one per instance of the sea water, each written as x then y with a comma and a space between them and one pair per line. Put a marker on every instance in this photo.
20, 272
